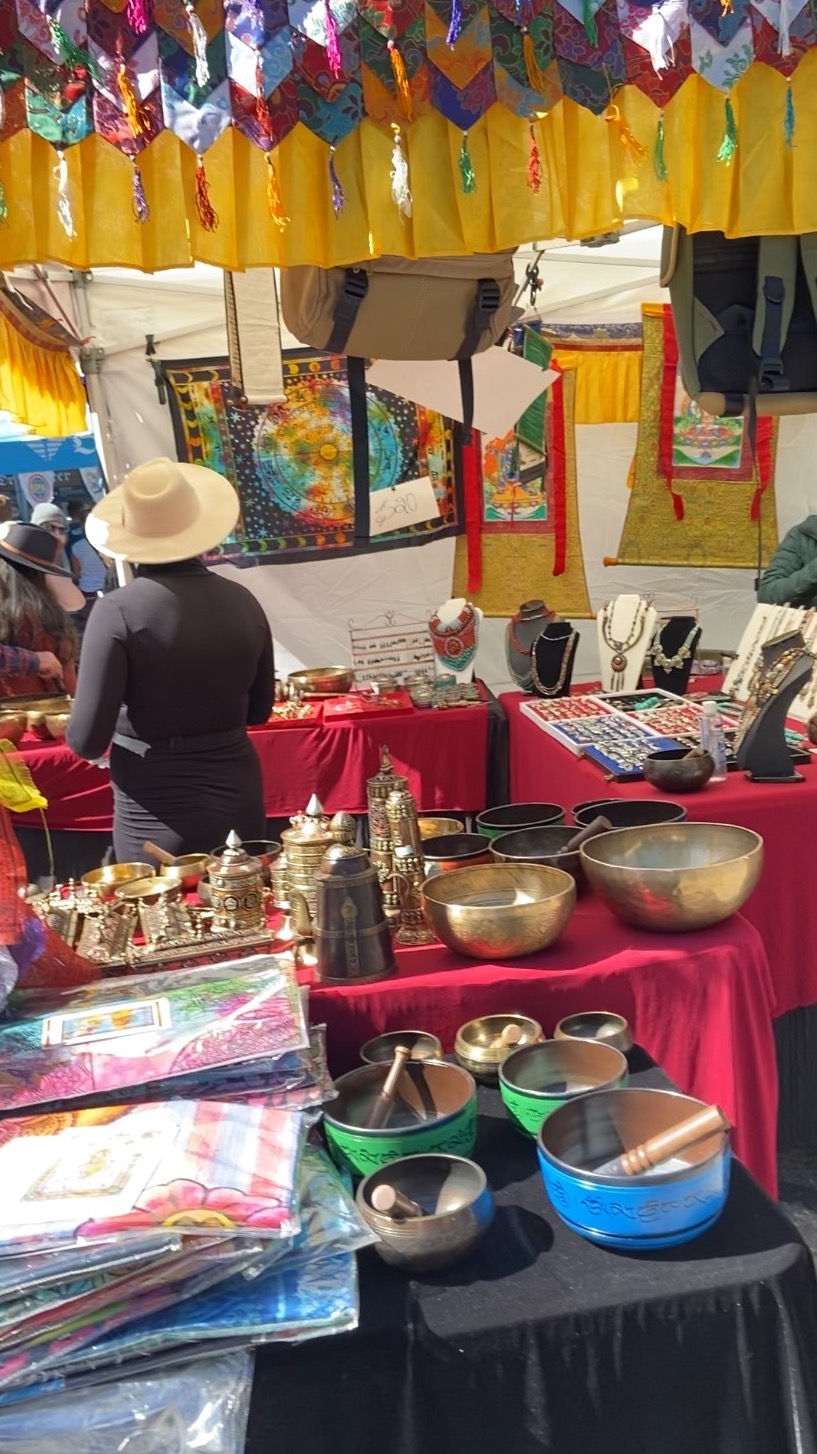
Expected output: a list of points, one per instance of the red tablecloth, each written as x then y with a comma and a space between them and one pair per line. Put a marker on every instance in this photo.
700, 1004
781, 907
443, 754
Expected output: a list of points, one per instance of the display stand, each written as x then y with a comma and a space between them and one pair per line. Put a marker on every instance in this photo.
553, 658
673, 651
522, 631
764, 753
626, 627
766, 624
454, 630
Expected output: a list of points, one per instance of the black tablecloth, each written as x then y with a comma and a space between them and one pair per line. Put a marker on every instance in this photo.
543, 1342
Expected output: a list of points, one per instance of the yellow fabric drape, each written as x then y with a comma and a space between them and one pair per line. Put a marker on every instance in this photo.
589, 184
608, 381
40, 386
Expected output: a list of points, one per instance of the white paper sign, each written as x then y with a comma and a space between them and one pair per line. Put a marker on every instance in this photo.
409, 503
504, 386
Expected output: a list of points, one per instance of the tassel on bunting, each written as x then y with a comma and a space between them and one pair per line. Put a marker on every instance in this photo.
138, 16
729, 145
332, 41
533, 70
2, 110
726, 8
64, 212
589, 22
4, 204
399, 176
534, 161
199, 37
208, 217
467, 174
789, 119
398, 67
141, 210
338, 198
262, 115
72, 55
659, 160
455, 23
632, 146
134, 110
274, 203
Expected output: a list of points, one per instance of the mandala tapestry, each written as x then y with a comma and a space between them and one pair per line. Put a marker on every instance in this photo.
522, 532
699, 497
292, 463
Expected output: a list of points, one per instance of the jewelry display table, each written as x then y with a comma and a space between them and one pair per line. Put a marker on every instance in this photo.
701, 1004
542, 1342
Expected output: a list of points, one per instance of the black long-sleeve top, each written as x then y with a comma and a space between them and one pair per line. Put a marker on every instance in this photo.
178, 652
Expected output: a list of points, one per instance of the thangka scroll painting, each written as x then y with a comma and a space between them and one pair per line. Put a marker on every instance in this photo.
292, 463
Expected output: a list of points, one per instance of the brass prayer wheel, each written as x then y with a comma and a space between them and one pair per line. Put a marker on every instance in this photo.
305, 844
404, 828
378, 790
236, 882
352, 939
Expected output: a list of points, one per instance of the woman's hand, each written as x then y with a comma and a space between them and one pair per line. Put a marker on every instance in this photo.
49, 667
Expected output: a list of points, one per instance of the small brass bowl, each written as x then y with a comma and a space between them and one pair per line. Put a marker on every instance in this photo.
457, 1201
56, 725
422, 1045
499, 910
322, 681
674, 771
105, 882
454, 850
437, 827
477, 1046
188, 870
601, 1025
674, 876
151, 890
534, 1082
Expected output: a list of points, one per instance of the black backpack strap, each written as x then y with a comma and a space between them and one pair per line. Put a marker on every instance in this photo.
776, 282
486, 303
354, 290
356, 375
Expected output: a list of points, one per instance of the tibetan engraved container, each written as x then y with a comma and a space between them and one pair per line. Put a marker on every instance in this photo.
236, 882
402, 814
378, 790
352, 940
305, 844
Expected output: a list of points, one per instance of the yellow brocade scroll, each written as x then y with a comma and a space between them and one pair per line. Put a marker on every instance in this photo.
591, 182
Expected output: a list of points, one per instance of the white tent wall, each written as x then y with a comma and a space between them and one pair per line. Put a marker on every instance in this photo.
310, 605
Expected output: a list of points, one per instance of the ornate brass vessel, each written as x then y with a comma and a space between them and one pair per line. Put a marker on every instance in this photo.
500, 910
378, 791
352, 939
305, 844
236, 883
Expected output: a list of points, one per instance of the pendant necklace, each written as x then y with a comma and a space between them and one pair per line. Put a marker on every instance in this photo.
619, 649
455, 642
569, 643
675, 662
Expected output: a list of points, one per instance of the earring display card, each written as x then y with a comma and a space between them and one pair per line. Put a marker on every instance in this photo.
135, 1031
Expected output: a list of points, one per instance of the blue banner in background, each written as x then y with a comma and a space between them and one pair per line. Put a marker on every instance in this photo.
36, 471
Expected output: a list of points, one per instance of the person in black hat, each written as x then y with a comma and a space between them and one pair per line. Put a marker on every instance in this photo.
35, 594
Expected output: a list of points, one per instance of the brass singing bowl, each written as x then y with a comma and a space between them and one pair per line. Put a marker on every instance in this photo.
423, 1046
437, 827
150, 890
540, 845
454, 850
499, 910
600, 1025
105, 882
12, 728
56, 724
322, 681
457, 1202
479, 1049
674, 771
188, 870
674, 876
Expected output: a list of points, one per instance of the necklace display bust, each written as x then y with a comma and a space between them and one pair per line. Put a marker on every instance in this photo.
626, 627
454, 629
522, 631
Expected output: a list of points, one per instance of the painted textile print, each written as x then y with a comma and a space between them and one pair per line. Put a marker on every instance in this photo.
292, 463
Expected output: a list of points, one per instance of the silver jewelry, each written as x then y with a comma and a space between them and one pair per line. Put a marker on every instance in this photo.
619, 649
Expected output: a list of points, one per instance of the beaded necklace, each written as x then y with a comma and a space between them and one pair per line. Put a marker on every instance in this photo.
569, 646
455, 642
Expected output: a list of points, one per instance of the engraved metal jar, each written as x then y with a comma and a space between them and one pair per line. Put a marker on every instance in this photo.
236, 883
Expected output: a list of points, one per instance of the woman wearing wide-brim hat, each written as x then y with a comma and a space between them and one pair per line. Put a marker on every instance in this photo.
35, 595
175, 666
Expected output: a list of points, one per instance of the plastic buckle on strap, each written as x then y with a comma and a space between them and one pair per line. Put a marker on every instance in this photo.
488, 297
770, 369
356, 284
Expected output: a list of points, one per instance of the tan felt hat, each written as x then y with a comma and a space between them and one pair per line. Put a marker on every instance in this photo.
164, 511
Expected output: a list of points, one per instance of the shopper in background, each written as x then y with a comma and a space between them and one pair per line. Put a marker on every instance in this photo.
53, 519
790, 578
32, 613
175, 667
87, 567
6, 509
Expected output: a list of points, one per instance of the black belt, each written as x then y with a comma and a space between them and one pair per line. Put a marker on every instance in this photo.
206, 743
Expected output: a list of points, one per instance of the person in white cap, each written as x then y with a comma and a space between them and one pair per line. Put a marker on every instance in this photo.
175, 666
51, 518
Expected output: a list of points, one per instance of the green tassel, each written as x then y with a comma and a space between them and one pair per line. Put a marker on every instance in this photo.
469, 181
788, 123
72, 55
659, 160
4, 206
729, 145
589, 22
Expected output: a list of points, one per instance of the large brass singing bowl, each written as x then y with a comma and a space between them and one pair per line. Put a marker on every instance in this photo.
499, 910
674, 876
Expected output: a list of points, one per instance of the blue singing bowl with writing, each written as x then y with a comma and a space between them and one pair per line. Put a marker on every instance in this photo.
675, 1203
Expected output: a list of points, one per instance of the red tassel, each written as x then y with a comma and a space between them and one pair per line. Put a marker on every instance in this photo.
534, 162
401, 83
472, 497
262, 115
555, 429
333, 52
208, 217
274, 203
137, 15
667, 420
763, 457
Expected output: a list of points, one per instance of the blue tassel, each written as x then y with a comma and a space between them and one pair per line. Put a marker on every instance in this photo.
789, 121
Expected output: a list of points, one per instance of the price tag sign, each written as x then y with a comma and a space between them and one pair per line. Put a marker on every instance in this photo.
409, 503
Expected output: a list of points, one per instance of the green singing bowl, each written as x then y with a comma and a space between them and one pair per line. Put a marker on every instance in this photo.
518, 815
435, 1109
499, 910
674, 876
535, 1081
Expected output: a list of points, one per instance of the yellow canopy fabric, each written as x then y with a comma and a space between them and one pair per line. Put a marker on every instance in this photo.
39, 385
592, 181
